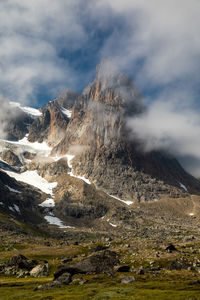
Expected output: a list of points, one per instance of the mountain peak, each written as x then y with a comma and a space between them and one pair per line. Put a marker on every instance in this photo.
112, 87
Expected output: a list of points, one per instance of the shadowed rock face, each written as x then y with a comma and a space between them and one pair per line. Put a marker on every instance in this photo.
19, 199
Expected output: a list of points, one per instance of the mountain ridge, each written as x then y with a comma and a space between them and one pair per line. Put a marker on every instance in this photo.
88, 170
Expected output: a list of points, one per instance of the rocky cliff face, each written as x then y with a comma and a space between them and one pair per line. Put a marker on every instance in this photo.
51, 126
98, 137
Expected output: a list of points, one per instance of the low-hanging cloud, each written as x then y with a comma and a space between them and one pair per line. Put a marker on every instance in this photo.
170, 125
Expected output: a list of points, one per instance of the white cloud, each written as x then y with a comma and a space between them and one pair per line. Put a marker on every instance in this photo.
32, 33
163, 38
170, 125
163, 33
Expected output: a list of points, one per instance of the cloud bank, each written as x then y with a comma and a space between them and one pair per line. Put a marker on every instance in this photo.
32, 34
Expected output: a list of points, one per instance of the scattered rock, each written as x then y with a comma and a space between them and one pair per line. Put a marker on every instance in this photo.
22, 262
40, 270
179, 265
124, 268
65, 278
195, 282
47, 244
22, 274
171, 248
99, 248
128, 279
66, 260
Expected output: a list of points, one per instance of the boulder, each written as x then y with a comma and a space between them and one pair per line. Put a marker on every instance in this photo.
171, 248
65, 278
22, 262
179, 265
128, 279
102, 261
124, 268
40, 270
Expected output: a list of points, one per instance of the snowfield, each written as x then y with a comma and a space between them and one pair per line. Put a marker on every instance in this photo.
56, 221
36, 146
32, 178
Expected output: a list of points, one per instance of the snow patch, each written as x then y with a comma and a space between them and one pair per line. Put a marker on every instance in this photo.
69, 162
66, 112
37, 146
69, 159
113, 225
32, 178
56, 221
13, 190
11, 208
183, 186
126, 202
48, 203
16, 207
80, 177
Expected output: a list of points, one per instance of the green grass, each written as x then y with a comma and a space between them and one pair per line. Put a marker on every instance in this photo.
99, 289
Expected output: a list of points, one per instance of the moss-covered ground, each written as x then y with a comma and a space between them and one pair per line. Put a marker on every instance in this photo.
101, 288
164, 284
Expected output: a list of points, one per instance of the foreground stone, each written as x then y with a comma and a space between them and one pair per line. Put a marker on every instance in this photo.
128, 279
22, 262
102, 261
40, 270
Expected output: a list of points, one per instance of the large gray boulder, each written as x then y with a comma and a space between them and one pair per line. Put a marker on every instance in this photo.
102, 261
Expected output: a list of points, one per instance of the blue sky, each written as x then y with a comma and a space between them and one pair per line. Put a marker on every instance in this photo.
47, 46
